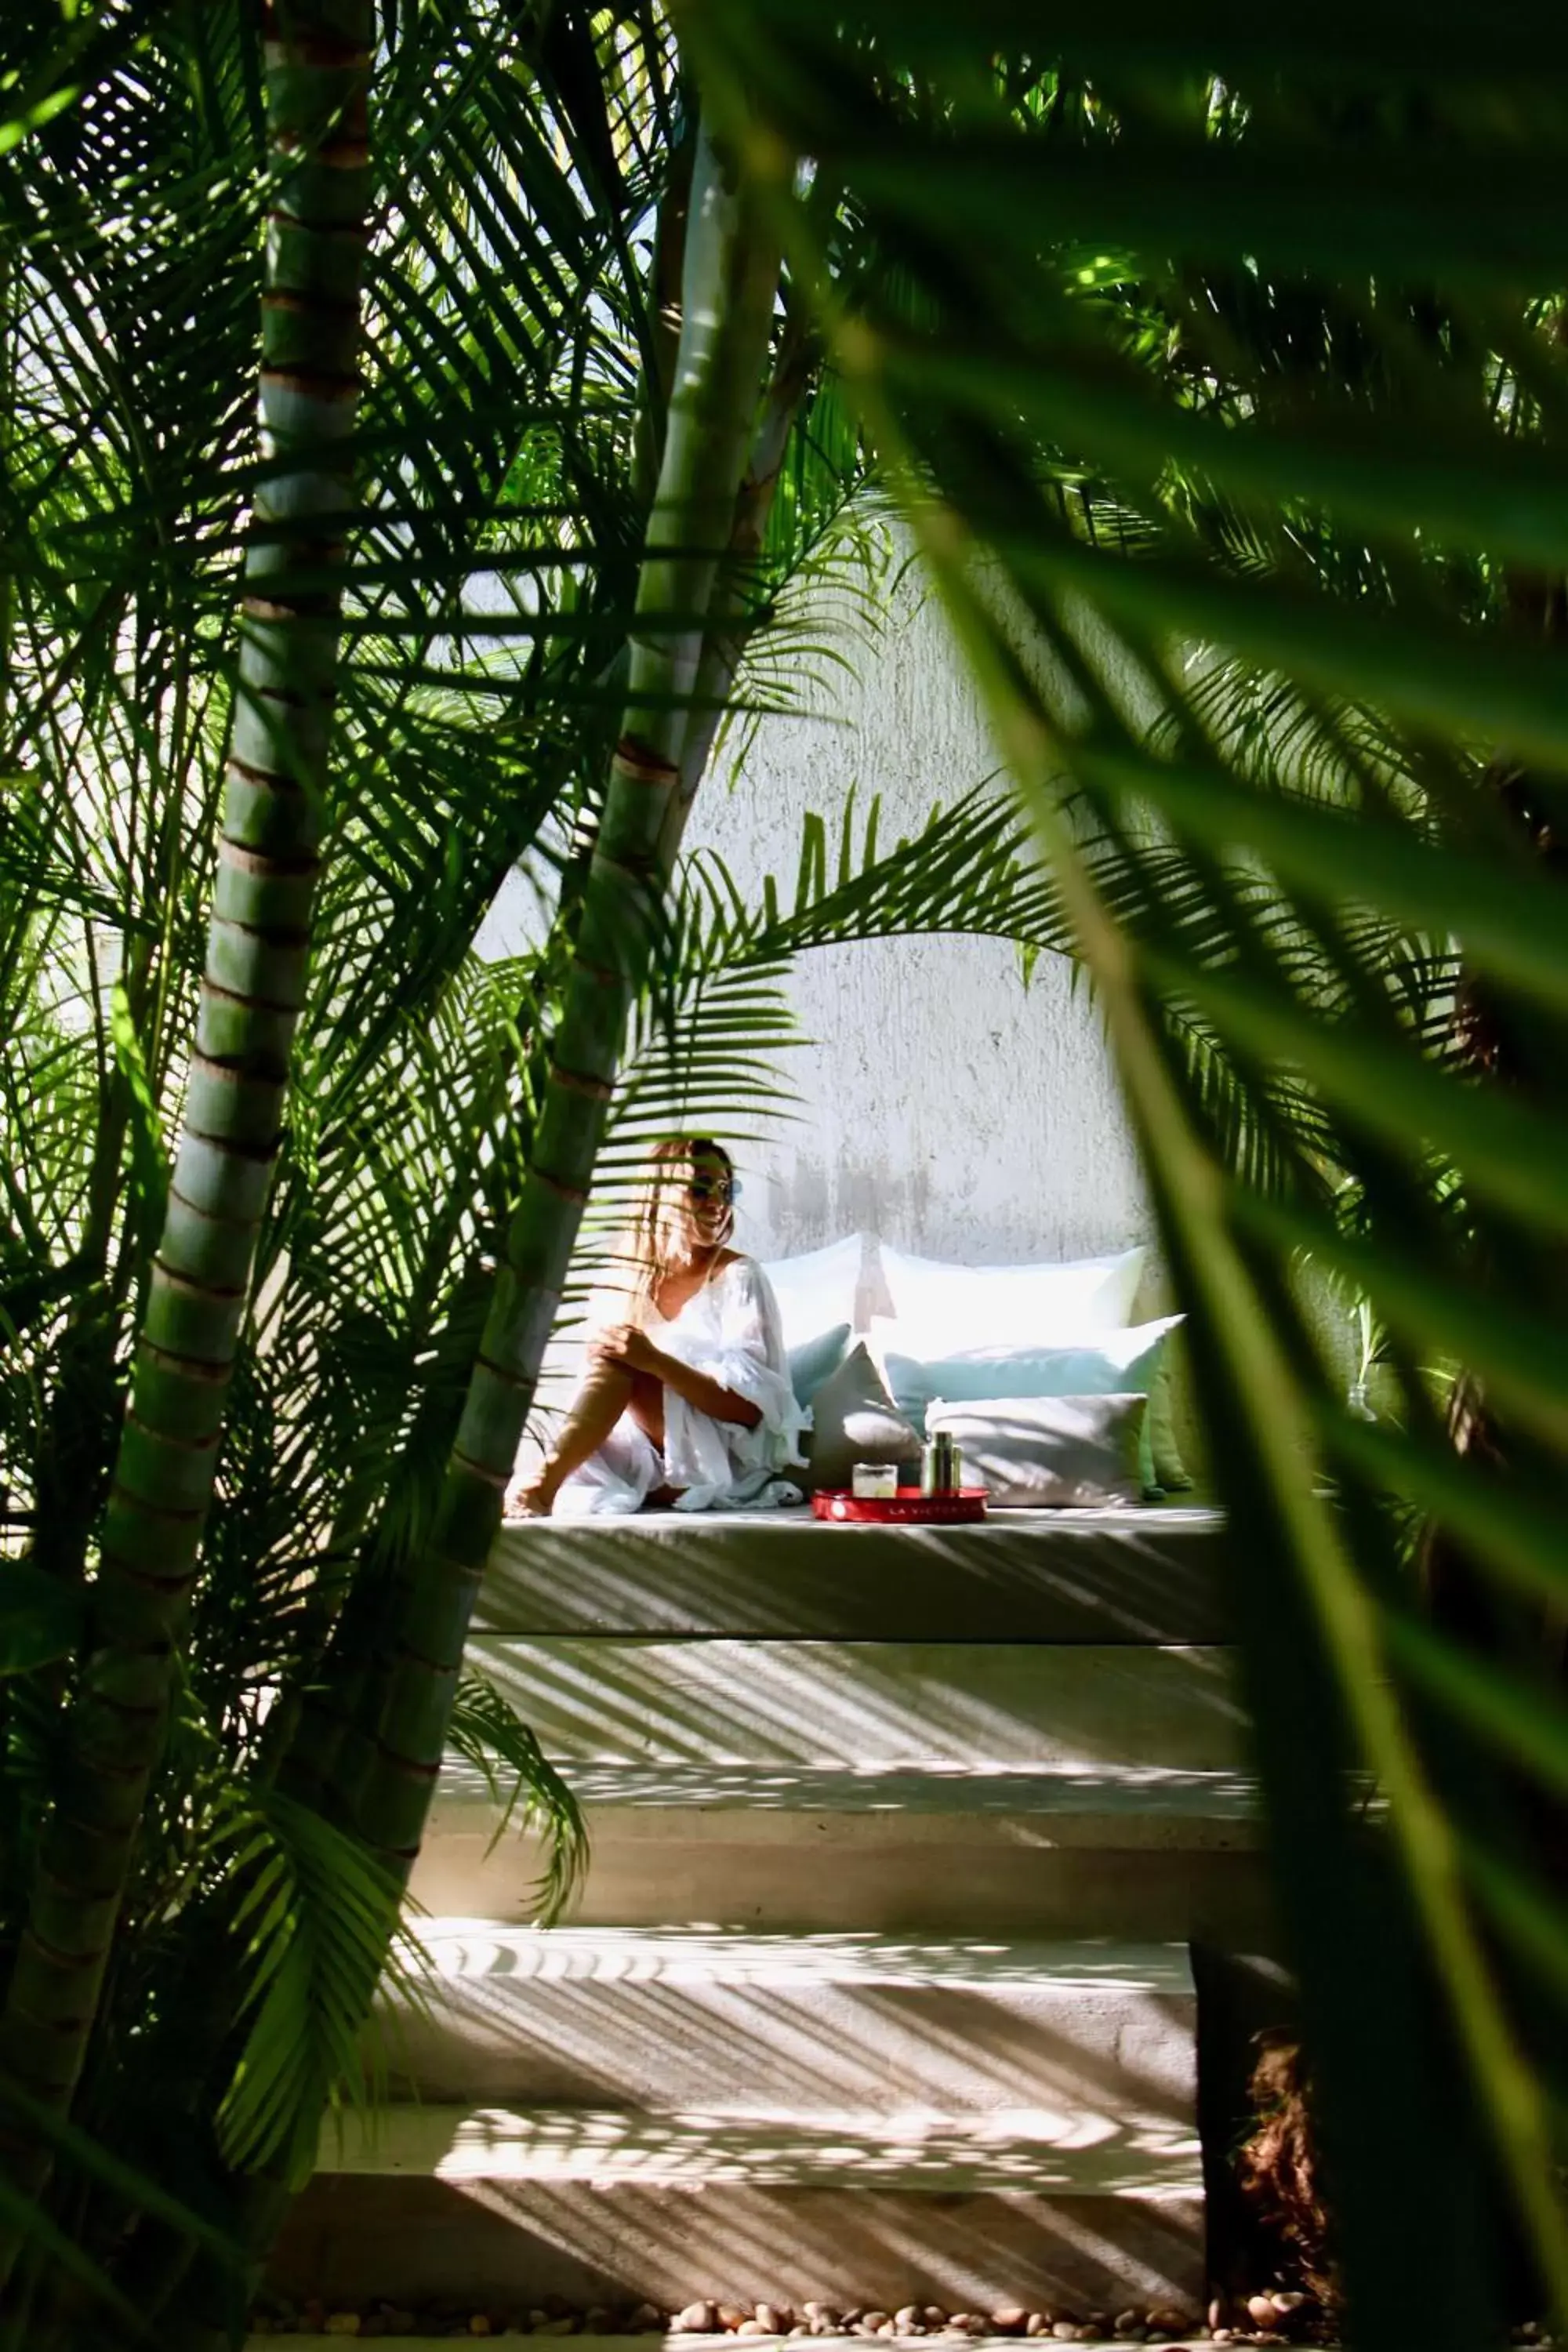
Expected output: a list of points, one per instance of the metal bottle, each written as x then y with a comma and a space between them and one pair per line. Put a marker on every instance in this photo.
936, 1465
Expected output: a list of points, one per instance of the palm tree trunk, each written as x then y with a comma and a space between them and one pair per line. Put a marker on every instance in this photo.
726, 642
391, 1757
318, 69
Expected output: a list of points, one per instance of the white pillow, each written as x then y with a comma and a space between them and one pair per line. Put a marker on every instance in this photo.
816, 1290
938, 1308
1047, 1451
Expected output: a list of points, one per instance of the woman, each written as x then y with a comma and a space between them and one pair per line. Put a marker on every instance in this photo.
689, 1401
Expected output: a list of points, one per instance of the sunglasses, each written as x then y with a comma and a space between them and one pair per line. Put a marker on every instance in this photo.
714, 1188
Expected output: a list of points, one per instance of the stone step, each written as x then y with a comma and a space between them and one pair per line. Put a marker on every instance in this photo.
1099, 2037
1146, 1575
1022, 2148
1139, 1853
870, 1704
603, 2206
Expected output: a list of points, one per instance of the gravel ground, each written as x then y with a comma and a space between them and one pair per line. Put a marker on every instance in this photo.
1275, 2316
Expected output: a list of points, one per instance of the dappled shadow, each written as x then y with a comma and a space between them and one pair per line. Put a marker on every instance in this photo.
1142, 1574
856, 2241
641, 1700
1080, 2036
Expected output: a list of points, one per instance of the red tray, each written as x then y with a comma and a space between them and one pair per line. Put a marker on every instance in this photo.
908, 1507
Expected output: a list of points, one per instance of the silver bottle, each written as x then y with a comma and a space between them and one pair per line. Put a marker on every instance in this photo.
936, 1465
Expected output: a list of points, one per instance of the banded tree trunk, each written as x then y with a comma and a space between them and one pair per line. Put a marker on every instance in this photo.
318, 74
384, 1767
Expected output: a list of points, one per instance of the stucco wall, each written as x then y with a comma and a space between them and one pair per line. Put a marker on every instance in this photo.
942, 1104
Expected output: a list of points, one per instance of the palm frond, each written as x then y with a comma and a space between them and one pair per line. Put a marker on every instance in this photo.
1215, 426
487, 1732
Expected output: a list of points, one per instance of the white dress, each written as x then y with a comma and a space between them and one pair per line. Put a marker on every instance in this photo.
729, 1330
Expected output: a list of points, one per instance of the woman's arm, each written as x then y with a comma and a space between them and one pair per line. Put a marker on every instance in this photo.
637, 1352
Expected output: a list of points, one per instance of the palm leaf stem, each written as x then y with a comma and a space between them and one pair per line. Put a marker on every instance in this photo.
318, 82
726, 642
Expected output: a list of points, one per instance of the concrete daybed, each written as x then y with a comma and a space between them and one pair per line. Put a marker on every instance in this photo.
1143, 1572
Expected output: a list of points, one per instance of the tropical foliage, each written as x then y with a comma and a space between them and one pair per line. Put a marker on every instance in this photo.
1187, 353
1218, 361
530, 182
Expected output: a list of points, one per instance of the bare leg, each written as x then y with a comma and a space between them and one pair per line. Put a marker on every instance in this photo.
647, 1409
599, 1405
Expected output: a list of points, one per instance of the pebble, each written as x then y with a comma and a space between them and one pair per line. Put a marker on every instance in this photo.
1264, 2318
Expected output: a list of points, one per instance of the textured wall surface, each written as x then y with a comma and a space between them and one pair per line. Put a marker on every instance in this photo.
942, 1105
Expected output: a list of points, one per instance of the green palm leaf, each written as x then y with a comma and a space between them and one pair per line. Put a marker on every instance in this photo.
1239, 387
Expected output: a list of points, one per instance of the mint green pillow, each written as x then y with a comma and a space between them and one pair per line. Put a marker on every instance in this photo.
812, 1362
1115, 1363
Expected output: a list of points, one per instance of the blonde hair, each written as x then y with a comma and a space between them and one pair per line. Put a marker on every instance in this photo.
648, 1237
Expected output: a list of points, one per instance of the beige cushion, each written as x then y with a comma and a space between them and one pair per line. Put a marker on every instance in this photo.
1043, 1450
855, 1420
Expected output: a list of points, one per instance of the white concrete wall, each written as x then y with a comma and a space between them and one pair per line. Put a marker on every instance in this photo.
944, 1105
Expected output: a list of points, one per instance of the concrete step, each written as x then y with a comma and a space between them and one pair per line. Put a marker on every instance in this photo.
604, 2206
1021, 2147
1139, 1853
1098, 2037
1133, 1576
870, 1704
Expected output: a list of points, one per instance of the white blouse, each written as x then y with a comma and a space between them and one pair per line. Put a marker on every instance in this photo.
729, 1330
